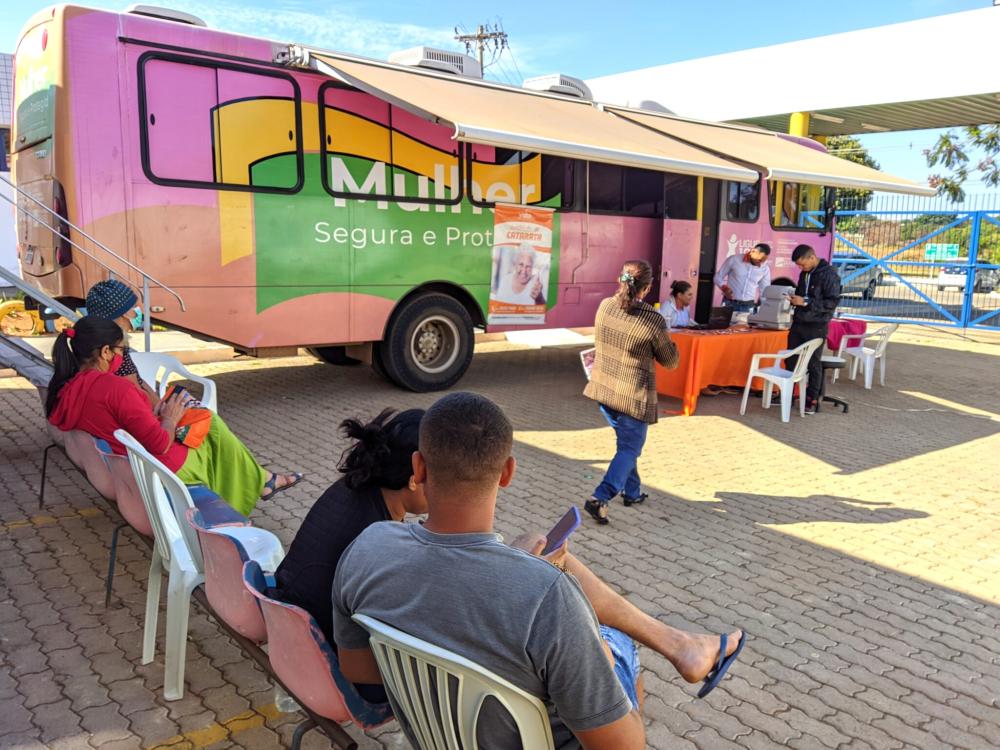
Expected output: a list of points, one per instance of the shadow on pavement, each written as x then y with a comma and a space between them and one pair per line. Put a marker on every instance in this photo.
778, 509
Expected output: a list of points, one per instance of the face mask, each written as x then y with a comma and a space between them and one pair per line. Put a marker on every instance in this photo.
136, 322
116, 363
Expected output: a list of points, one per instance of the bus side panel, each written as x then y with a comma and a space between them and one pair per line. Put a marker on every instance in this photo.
96, 140
587, 274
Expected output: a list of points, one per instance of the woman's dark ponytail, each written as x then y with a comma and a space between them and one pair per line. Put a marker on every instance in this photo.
74, 347
678, 287
381, 455
636, 276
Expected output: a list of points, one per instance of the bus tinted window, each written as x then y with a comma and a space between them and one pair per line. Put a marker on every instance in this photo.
606, 186
643, 192
790, 200
558, 181
681, 196
232, 127
742, 201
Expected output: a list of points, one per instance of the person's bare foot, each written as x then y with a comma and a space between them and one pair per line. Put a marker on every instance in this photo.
277, 482
701, 654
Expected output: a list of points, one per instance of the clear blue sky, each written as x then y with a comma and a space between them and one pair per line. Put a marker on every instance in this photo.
585, 38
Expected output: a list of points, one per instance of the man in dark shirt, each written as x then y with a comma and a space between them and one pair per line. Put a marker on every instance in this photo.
815, 300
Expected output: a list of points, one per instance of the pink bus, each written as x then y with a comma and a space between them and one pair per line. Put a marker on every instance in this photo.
291, 209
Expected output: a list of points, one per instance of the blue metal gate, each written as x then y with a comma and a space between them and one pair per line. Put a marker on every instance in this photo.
937, 266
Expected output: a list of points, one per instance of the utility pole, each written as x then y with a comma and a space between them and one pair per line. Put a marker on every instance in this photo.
481, 39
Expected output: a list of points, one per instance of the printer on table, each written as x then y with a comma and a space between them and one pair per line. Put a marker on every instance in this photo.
775, 311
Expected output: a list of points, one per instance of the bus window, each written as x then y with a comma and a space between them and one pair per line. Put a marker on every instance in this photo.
680, 195
502, 175
233, 126
178, 133
795, 200
425, 159
357, 143
606, 189
558, 182
742, 201
373, 149
257, 130
643, 192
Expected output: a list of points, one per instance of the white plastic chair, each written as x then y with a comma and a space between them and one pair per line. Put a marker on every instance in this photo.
177, 551
869, 348
409, 666
171, 553
155, 368
784, 379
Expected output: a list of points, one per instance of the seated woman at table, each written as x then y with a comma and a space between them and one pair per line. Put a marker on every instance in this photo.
86, 394
677, 311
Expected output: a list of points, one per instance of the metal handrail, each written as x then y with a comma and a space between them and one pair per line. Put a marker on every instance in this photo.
93, 239
146, 278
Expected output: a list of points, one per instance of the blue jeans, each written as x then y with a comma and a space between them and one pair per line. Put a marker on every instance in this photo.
626, 657
740, 305
622, 474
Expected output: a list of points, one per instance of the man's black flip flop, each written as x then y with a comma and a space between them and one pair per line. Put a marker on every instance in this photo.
725, 662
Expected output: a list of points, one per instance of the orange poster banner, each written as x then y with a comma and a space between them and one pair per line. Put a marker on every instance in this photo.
522, 261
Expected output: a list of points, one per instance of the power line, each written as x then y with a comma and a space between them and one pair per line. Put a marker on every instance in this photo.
485, 34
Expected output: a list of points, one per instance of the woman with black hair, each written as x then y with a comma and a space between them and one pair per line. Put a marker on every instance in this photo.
86, 394
377, 485
677, 311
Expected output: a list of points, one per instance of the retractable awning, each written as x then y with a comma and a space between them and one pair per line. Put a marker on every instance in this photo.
777, 157
497, 115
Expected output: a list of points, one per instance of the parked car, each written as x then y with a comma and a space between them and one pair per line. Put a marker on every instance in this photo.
864, 283
987, 279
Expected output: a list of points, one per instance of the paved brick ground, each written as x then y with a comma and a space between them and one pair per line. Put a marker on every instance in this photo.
858, 551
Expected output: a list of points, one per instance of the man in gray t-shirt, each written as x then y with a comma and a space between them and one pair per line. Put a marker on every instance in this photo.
451, 582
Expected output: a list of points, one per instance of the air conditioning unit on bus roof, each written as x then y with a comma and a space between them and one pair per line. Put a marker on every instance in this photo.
559, 83
165, 14
438, 59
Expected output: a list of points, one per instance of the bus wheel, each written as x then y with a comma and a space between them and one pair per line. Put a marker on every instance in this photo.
333, 355
429, 344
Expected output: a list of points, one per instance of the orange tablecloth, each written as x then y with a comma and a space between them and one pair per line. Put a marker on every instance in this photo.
714, 358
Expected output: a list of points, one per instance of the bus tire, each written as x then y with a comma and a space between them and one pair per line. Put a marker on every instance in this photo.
333, 355
429, 344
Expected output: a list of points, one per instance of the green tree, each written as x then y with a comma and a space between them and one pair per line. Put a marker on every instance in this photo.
850, 148
951, 153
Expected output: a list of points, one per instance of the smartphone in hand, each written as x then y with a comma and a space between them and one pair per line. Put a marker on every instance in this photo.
559, 533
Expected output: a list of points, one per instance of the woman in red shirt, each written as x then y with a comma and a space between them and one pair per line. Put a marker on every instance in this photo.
85, 394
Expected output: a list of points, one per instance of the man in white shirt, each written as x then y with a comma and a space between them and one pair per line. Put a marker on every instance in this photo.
743, 278
522, 286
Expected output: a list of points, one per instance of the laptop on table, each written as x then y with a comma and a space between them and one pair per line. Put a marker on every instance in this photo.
719, 317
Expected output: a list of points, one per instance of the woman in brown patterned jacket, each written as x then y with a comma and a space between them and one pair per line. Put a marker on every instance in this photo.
629, 334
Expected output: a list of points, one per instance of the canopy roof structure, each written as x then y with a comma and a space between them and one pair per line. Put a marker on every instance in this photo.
776, 156
508, 117
931, 73
525, 120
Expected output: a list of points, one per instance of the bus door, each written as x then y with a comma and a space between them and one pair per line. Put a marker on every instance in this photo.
709, 203
681, 248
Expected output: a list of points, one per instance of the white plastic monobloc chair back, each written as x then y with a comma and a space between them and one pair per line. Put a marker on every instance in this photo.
882, 334
804, 353
155, 368
166, 499
417, 676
